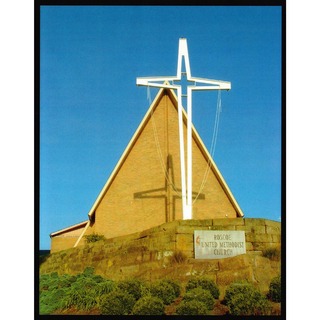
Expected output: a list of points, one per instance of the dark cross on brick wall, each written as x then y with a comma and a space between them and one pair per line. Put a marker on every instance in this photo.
169, 192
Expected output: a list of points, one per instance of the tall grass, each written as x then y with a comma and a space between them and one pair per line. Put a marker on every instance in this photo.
82, 292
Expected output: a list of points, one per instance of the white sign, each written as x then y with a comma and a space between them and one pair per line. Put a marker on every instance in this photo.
214, 244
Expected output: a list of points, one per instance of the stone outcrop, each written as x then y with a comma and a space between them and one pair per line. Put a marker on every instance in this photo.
167, 251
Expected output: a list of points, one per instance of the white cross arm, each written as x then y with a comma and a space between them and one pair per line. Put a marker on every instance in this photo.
147, 81
211, 84
218, 84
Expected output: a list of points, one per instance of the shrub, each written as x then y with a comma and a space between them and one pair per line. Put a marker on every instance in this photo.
206, 284
192, 307
86, 283
272, 254
104, 287
200, 294
97, 278
51, 300
89, 281
94, 237
145, 289
83, 291
46, 306
54, 275
175, 285
148, 305
66, 281
243, 299
132, 286
88, 271
49, 281
53, 290
163, 291
44, 282
275, 289
117, 303
178, 257
81, 300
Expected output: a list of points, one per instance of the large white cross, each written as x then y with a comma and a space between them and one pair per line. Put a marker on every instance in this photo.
207, 84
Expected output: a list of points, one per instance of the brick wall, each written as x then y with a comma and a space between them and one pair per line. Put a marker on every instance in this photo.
66, 239
141, 195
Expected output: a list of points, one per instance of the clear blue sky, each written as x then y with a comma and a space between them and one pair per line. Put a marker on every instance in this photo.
90, 106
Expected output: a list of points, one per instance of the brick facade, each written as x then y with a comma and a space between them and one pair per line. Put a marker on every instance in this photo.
145, 189
66, 238
142, 196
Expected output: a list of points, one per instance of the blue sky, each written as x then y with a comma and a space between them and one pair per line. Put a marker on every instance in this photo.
90, 106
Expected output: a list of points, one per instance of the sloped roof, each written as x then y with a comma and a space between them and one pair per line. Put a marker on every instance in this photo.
68, 229
196, 138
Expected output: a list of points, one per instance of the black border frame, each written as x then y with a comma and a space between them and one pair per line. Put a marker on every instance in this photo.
37, 5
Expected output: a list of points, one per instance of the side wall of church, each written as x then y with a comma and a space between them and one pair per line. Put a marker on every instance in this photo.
66, 239
140, 195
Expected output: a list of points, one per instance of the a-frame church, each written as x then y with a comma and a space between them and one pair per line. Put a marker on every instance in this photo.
144, 189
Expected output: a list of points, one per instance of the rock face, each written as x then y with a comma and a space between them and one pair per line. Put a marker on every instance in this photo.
167, 251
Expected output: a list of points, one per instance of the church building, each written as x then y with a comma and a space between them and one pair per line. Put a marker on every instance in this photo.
144, 189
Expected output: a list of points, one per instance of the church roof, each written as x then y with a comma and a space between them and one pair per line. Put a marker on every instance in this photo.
73, 227
196, 138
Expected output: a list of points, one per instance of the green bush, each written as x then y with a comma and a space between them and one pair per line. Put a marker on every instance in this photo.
275, 289
206, 284
175, 285
83, 291
53, 291
94, 237
84, 284
132, 286
243, 299
86, 291
51, 300
104, 287
117, 303
44, 282
202, 295
49, 281
163, 291
97, 278
81, 300
66, 281
178, 257
192, 307
273, 254
148, 305
89, 281
54, 275
88, 271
